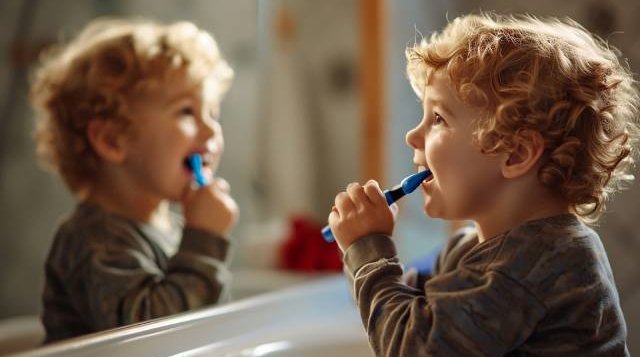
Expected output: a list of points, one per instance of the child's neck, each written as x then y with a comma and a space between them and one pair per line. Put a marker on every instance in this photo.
517, 205
125, 200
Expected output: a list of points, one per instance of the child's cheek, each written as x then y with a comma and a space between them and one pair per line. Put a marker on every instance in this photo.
434, 148
188, 126
215, 145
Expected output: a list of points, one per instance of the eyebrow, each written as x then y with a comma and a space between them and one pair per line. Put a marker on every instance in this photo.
181, 95
175, 99
439, 103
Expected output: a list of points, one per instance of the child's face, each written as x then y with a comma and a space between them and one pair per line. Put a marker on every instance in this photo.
465, 181
168, 125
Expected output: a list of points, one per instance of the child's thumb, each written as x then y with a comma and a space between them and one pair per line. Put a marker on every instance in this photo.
188, 193
394, 210
221, 184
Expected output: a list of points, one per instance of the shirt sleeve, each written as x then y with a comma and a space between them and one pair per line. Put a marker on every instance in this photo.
459, 313
119, 280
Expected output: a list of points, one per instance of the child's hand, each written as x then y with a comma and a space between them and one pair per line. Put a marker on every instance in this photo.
211, 208
360, 211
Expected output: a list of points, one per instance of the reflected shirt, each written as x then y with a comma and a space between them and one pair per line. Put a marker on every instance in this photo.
104, 271
544, 288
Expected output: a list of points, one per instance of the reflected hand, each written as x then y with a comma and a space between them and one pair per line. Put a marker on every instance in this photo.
211, 208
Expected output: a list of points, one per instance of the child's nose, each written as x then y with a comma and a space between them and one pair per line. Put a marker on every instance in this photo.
210, 128
412, 138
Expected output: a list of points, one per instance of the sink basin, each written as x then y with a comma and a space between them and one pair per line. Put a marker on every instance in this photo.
287, 349
311, 319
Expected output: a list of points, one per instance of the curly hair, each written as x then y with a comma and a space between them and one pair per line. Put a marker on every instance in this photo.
548, 75
97, 75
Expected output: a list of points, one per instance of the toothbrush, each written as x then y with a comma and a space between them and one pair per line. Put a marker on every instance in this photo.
194, 163
406, 186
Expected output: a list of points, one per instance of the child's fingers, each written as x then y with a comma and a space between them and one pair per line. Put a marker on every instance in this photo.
207, 172
188, 193
343, 203
356, 192
374, 193
394, 209
221, 184
334, 216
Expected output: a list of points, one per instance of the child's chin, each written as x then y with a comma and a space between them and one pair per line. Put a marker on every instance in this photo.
430, 214
182, 195
431, 211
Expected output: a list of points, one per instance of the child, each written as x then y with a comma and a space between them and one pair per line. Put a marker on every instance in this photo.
528, 128
120, 109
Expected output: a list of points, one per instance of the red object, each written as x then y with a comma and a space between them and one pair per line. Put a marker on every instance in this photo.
306, 250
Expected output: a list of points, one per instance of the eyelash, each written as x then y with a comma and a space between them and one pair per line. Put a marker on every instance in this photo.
187, 110
438, 119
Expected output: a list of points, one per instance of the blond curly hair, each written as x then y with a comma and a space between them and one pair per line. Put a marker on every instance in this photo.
547, 75
99, 73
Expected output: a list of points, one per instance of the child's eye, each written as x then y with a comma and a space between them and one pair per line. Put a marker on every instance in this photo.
186, 111
438, 119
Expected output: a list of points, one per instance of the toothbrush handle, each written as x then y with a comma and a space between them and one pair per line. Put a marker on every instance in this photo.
327, 234
391, 196
195, 163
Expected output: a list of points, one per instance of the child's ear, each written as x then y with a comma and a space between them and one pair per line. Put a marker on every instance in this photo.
529, 147
107, 139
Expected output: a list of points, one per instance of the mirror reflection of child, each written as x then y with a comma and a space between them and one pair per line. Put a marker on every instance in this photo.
529, 126
120, 108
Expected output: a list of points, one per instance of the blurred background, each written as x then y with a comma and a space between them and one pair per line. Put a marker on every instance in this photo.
319, 99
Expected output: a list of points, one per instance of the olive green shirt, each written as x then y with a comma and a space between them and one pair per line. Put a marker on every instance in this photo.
544, 288
105, 271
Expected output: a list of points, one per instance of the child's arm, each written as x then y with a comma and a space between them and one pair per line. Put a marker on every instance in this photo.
115, 274
459, 313
420, 272
196, 275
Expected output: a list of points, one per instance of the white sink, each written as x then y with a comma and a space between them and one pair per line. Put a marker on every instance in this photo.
311, 319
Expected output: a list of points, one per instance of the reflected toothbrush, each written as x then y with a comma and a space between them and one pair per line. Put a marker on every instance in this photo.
194, 163
406, 186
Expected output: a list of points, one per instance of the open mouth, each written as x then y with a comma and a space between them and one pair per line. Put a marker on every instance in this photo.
198, 165
197, 158
424, 168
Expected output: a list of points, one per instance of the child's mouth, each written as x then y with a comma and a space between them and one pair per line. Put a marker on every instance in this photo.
424, 168
197, 164
205, 161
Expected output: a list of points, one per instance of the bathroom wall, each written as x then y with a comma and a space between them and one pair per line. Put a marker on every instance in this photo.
31, 201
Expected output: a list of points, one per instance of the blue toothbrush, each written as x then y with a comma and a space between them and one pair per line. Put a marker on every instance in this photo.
194, 162
406, 186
